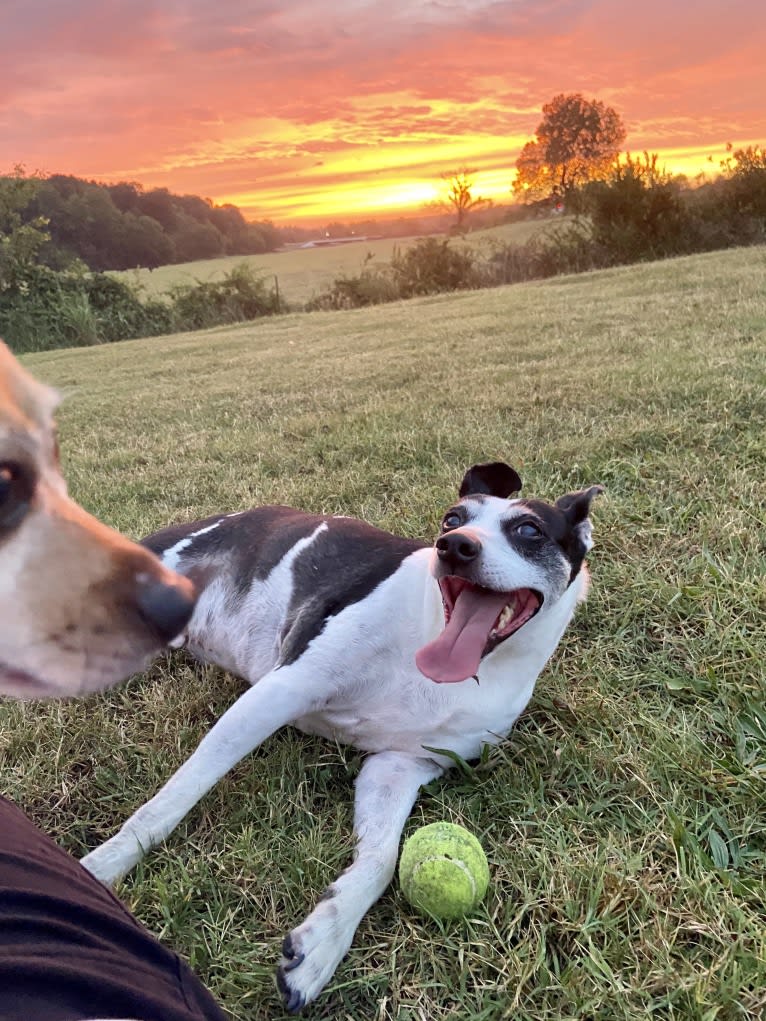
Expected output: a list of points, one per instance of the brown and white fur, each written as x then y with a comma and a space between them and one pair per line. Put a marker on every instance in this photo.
373, 640
81, 607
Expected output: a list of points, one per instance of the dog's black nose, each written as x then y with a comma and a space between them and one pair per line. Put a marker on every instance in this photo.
457, 548
166, 606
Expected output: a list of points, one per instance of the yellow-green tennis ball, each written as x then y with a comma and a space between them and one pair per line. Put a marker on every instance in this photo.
443, 870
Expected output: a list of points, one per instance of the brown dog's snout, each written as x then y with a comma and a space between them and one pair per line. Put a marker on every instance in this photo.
457, 548
165, 604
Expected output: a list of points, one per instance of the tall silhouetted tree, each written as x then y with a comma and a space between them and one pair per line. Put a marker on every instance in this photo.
577, 141
460, 198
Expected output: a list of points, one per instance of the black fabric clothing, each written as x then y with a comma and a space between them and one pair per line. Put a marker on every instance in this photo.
70, 950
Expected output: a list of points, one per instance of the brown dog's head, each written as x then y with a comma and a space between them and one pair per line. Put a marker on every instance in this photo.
81, 607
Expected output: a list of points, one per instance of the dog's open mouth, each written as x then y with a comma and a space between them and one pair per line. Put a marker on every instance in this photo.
476, 620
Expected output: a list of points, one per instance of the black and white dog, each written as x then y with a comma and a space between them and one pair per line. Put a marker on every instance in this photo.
342, 630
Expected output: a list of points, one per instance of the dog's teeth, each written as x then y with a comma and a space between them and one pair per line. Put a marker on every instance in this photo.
507, 614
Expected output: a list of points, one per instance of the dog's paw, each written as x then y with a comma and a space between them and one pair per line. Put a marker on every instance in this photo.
107, 863
310, 955
293, 996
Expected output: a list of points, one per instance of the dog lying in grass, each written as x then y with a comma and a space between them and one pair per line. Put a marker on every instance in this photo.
378, 641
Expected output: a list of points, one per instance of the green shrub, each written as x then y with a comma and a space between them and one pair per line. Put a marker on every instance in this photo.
120, 311
374, 285
33, 302
241, 295
41, 309
568, 249
431, 266
638, 213
745, 182
732, 210
77, 320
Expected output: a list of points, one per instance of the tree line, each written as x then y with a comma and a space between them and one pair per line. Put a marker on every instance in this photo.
121, 226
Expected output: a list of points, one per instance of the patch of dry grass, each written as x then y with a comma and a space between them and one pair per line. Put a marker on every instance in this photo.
303, 272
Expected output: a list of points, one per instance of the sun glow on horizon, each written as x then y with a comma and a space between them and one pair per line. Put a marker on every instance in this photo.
387, 194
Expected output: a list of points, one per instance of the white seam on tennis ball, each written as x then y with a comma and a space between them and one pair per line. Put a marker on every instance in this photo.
452, 861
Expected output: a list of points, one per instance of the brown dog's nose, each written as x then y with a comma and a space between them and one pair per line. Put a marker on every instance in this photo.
166, 606
457, 548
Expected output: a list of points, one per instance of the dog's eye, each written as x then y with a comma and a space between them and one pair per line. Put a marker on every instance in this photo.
15, 493
7, 477
452, 520
528, 530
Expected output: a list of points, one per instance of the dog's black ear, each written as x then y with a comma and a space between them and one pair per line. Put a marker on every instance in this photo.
576, 506
494, 478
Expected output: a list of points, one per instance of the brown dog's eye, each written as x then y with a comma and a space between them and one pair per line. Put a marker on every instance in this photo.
16, 489
6, 483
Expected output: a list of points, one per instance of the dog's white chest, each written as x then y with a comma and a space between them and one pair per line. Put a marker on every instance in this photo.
411, 714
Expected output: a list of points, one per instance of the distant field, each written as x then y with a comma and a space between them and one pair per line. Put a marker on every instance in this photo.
625, 818
303, 272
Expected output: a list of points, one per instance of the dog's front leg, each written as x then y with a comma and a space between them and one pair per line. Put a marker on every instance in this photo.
386, 790
280, 697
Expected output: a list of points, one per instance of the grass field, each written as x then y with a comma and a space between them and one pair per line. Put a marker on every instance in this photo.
625, 818
304, 272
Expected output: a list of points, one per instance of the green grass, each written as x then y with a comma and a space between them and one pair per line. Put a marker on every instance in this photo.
624, 818
304, 272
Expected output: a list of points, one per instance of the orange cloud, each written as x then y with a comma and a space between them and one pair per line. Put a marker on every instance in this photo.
302, 112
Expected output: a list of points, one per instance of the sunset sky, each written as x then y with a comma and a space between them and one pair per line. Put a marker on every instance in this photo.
305, 111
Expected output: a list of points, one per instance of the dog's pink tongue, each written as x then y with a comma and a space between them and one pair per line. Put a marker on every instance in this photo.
456, 653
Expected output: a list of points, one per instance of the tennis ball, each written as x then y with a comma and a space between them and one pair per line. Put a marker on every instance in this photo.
443, 870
